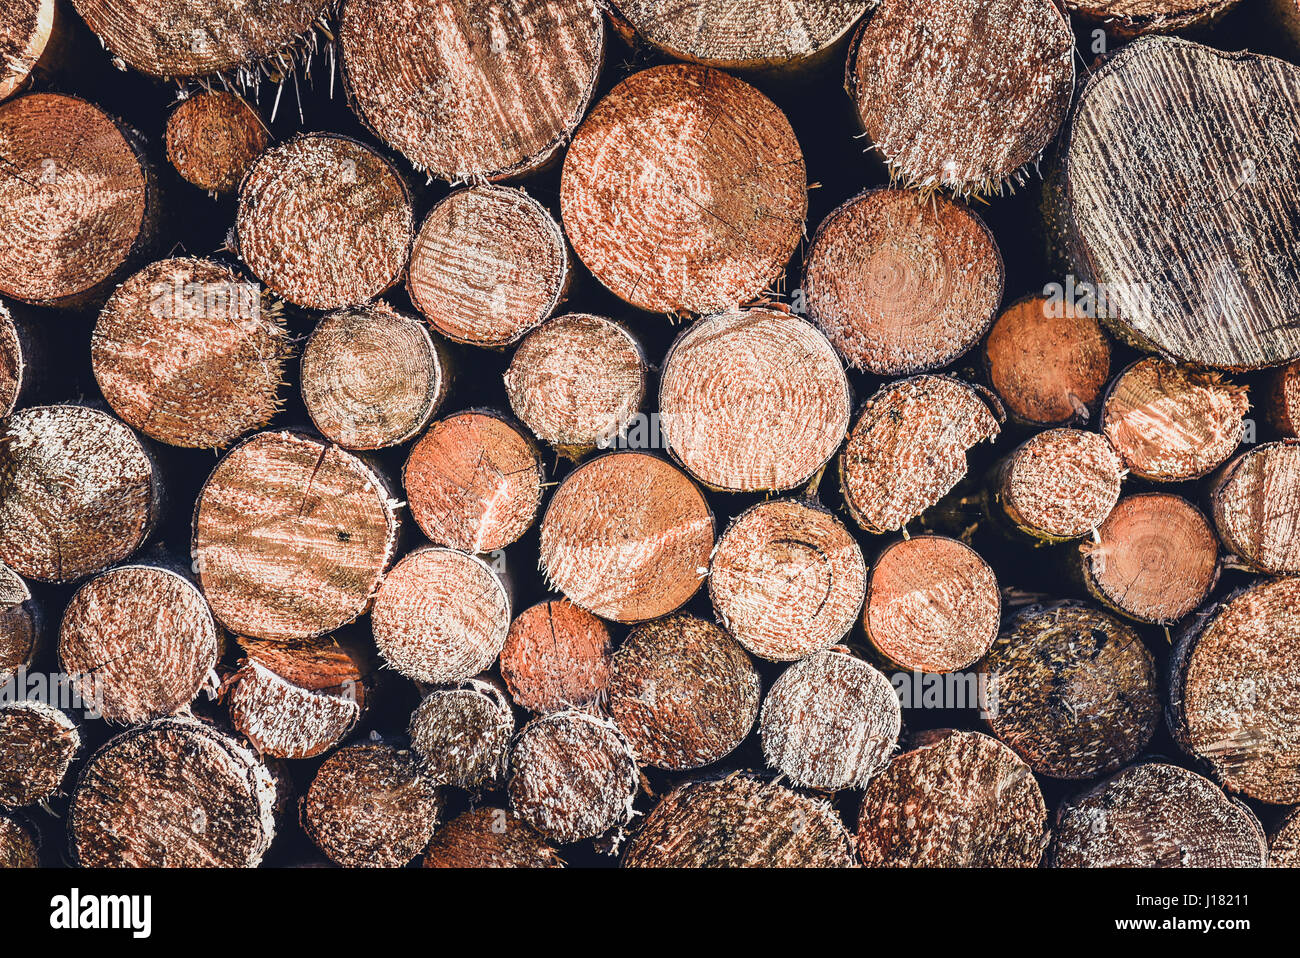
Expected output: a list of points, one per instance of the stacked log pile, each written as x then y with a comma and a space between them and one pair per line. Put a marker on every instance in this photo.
527, 433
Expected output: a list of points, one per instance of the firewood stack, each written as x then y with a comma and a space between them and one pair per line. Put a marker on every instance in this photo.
712, 433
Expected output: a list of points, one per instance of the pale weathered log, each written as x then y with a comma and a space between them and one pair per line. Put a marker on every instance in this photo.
1255, 501
462, 735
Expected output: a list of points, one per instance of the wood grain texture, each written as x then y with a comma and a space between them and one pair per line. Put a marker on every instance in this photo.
753, 400
1183, 210
24, 36
1157, 816
902, 283
1059, 485
1255, 501
685, 190
556, 656
468, 96
18, 844
462, 735
490, 838
1282, 400
37, 745
1129, 18
213, 137
1284, 844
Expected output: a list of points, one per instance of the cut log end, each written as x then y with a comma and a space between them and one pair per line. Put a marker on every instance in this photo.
212, 139
627, 536
172, 794
925, 77
1156, 558
441, 616
573, 776
738, 822
370, 806
190, 353
1130, 18
298, 699
1284, 847
908, 449
24, 36
1235, 689
324, 221
1256, 506
685, 190
933, 604
1061, 484
960, 800
77, 204
372, 377
1157, 816
770, 427
831, 721
682, 692
577, 381
474, 482
1210, 298
556, 656
1072, 690
787, 579
19, 635
78, 492
462, 735
488, 265
1283, 400
140, 642
37, 745
902, 283
291, 536
1172, 423
1048, 361
15, 363
18, 844
490, 838
470, 97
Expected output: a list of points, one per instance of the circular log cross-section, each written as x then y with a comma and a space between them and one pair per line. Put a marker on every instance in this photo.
962, 94
901, 282
909, 448
190, 353
18, 844
370, 806
78, 205
488, 265
37, 744
577, 381
1256, 507
1284, 846
573, 776
682, 692
1059, 485
212, 139
961, 800
172, 794
753, 400
1072, 690
78, 492
787, 579
296, 699
744, 35
468, 95
185, 38
24, 35
1048, 361
1129, 18
627, 536
324, 221
490, 838
738, 822
139, 641
291, 536
372, 377
1204, 281
441, 616
1282, 401
1234, 691
831, 721
1157, 816
1156, 558
474, 482
932, 605
462, 735
556, 656
685, 191
1172, 423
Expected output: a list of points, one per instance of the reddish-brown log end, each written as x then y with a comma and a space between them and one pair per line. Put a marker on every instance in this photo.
37, 744
24, 35
490, 838
212, 139
556, 656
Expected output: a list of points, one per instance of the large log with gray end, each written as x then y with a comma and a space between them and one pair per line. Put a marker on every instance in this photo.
1197, 257
740, 822
1157, 816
